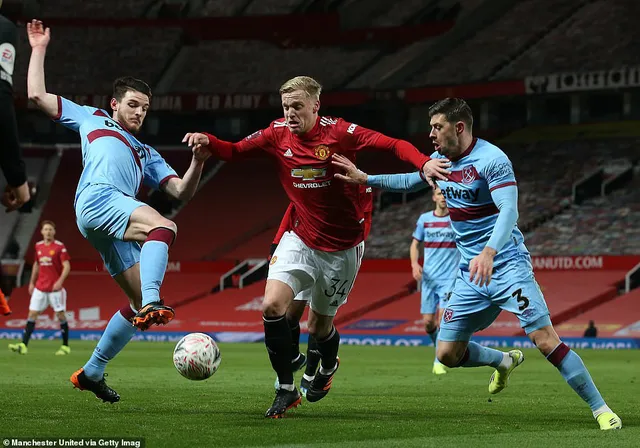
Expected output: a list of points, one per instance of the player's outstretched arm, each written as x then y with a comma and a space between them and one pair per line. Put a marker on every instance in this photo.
227, 151
184, 188
39, 40
398, 183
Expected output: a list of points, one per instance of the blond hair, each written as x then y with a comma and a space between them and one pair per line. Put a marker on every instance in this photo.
305, 83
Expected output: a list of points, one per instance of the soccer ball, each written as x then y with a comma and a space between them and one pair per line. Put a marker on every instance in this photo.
196, 356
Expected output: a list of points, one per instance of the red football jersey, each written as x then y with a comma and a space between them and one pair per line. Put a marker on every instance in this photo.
50, 257
327, 213
366, 198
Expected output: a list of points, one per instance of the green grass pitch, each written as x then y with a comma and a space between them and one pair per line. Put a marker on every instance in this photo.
381, 397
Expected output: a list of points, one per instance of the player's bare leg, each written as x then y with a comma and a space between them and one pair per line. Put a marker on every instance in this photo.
64, 329
573, 370
277, 338
157, 234
431, 328
29, 327
328, 343
118, 333
471, 354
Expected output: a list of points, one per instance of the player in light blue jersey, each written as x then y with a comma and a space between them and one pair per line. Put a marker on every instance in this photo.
115, 164
496, 272
437, 273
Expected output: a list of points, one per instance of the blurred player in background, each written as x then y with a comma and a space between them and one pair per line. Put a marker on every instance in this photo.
323, 250
50, 269
439, 267
11, 163
10, 159
115, 164
296, 309
495, 271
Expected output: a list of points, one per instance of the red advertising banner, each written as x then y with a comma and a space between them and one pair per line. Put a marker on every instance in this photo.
206, 102
540, 263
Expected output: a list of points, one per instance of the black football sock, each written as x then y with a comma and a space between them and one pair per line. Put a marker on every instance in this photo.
294, 326
64, 326
28, 329
277, 338
328, 348
313, 357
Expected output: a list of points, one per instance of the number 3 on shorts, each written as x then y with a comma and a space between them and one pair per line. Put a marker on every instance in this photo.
523, 301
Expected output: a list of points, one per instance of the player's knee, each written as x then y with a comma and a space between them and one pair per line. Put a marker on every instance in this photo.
448, 357
164, 230
544, 341
33, 315
273, 306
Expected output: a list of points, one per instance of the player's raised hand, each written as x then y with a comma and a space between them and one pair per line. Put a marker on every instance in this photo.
481, 267
39, 36
195, 140
201, 153
436, 169
351, 174
15, 197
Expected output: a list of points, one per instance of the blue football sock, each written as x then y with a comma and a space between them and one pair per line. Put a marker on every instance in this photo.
118, 333
478, 355
576, 374
153, 263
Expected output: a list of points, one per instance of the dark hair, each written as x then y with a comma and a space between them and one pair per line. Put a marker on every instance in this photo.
454, 109
122, 85
51, 223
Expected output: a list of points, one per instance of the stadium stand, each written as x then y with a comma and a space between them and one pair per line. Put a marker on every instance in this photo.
248, 66
100, 55
605, 225
483, 52
107, 10
571, 47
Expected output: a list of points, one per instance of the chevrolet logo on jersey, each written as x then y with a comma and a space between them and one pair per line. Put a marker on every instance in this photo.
309, 173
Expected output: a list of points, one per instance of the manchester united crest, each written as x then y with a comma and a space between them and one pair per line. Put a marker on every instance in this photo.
322, 152
52, 252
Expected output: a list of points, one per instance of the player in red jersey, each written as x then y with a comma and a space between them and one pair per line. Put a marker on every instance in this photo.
296, 309
323, 250
50, 270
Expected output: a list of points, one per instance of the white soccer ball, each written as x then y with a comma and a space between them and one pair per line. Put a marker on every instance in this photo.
196, 356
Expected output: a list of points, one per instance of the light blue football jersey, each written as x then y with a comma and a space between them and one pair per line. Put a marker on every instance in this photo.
110, 154
474, 175
441, 257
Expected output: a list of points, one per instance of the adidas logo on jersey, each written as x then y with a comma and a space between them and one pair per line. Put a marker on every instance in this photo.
288, 153
334, 303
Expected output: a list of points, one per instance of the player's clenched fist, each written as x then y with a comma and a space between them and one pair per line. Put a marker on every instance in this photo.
195, 140
39, 36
